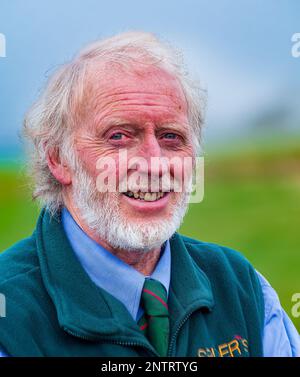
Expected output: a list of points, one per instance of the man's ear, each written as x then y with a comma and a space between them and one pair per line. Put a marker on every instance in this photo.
58, 168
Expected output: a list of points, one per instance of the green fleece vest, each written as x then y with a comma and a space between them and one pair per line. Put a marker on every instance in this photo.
54, 309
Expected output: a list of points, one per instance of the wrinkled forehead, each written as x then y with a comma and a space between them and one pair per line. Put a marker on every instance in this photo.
114, 79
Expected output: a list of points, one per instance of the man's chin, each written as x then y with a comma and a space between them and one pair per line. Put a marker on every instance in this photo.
136, 236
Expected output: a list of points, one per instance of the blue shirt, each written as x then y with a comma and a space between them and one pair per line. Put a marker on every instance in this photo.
280, 337
109, 272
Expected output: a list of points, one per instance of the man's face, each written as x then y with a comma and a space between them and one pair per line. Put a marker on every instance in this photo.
145, 114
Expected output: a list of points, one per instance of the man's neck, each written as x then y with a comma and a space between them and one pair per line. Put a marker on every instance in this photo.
144, 262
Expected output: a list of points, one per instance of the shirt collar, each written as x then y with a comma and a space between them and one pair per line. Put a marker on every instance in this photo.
108, 271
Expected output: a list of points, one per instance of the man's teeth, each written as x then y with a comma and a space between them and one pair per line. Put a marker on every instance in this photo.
147, 196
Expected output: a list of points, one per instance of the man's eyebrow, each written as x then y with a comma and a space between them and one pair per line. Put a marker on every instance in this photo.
174, 126
123, 122
114, 122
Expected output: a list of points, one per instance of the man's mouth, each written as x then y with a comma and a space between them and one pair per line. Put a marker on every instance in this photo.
146, 196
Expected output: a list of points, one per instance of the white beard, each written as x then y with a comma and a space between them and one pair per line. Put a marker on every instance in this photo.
102, 214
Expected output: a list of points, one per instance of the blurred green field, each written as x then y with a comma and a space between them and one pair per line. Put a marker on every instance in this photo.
251, 203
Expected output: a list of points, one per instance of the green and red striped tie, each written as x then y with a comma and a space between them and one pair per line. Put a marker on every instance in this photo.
155, 321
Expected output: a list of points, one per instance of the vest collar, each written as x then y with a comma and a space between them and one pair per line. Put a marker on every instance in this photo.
83, 309
190, 288
89, 312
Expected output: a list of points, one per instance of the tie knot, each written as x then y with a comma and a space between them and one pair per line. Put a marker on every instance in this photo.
154, 298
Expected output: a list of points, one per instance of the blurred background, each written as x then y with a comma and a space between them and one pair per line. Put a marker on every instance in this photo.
240, 50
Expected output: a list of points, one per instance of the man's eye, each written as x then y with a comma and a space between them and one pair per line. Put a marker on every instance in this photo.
117, 136
170, 135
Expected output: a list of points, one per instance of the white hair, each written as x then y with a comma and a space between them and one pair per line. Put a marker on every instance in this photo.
51, 120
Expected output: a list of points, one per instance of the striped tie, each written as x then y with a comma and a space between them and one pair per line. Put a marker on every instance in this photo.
155, 321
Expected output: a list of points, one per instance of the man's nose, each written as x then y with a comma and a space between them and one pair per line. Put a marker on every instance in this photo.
150, 147
151, 153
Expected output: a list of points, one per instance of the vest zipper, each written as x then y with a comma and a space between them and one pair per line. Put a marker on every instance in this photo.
108, 340
173, 339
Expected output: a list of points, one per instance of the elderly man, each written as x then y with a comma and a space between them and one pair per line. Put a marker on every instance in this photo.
106, 273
